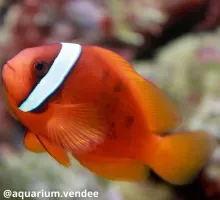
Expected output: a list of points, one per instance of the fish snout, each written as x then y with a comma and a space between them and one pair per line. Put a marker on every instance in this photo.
6, 67
7, 73
9, 65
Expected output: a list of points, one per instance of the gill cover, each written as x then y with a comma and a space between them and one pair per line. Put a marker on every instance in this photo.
63, 64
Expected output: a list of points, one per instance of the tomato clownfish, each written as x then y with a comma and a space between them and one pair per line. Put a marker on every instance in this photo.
89, 102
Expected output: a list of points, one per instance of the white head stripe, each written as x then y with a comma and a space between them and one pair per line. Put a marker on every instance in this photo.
61, 67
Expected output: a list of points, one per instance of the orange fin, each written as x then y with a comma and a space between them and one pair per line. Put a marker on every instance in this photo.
161, 114
77, 128
55, 151
39, 144
179, 157
116, 169
32, 143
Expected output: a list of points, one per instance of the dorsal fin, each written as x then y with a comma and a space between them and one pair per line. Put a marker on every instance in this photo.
160, 112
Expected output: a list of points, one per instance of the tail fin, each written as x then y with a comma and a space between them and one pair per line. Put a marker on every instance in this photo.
179, 157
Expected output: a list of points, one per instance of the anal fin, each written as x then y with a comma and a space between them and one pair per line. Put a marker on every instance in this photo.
114, 168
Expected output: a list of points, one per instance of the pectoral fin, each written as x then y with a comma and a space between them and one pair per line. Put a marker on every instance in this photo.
77, 128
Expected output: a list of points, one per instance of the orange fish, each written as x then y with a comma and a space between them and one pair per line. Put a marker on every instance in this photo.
88, 102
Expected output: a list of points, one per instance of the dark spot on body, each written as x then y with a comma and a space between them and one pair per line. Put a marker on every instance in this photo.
112, 131
105, 75
129, 120
109, 108
108, 105
118, 87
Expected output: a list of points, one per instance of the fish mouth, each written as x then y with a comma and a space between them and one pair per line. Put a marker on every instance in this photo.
9, 66
5, 68
7, 75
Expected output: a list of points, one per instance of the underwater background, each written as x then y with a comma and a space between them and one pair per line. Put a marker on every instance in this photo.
174, 43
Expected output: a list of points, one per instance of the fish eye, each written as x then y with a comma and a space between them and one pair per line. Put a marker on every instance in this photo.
41, 68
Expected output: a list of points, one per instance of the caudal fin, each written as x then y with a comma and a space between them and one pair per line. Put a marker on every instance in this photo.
180, 156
